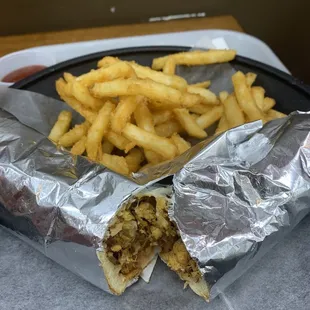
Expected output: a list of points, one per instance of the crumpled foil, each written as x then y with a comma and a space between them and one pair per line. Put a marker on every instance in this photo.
241, 194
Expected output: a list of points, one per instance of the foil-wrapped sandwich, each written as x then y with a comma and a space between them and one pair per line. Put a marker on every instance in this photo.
141, 229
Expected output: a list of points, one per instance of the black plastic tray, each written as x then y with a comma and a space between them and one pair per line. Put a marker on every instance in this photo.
290, 93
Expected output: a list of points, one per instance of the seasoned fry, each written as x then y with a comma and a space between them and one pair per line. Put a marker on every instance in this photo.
173, 81
250, 78
147, 88
123, 112
204, 84
81, 93
258, 94
74, 135
115, 163
169, 67
181, 144
79, 147
200, 108
153, 157
223, 96
232, 111
189, 123
150, 141
167, 129
207, 119
61, 126
69, 77
160, 117
196, 58
134, 159
107, 61
119, 141
144, 118
274, 114
117, 70
73, 103
245, 99
98, 129
107, 147
222, 126
210, 98
268, 104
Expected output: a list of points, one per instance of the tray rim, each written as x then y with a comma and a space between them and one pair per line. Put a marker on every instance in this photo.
285, 77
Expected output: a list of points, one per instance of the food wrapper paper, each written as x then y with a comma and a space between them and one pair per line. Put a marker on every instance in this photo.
62, 204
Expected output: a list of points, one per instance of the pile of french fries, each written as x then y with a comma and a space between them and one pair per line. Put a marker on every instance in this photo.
136, 116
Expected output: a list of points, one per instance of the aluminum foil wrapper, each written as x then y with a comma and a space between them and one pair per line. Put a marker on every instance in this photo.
241, 194
59, 203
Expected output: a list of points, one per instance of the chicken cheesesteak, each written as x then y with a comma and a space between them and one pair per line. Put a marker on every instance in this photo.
139, 231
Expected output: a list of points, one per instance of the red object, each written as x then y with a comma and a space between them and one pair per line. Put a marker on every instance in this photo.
21, 73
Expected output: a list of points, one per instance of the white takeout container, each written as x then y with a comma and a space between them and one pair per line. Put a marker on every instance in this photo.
17, 60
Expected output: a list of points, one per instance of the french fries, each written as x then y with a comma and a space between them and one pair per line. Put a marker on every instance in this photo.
74, 135
61, 126
150, 141
233, 113
98, 129
189, 123
245, 98
123, 112
196, 58
136, 117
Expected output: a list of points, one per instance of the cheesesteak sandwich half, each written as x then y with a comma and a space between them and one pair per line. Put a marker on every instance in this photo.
139, 230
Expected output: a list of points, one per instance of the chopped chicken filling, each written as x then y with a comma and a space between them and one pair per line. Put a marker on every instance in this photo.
138, 230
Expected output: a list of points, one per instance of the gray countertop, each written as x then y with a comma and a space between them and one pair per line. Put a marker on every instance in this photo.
281, 280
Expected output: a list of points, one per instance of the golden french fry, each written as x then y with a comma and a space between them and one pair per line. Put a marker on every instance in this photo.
200, 108
69, 77
169, 67
245, 99
107, 147
268, 104
117, 70
196, 58
115, 163
119, 141
258, 94
163, 116
153, 157
274, 114
147, 88
79, 147
250, 78
98, 129
223, 96
168, 128
232, 111
123, 112
207, 119
107, 61
61, 126
150, 141
189, 123
173, 81
74, 135
73, 103
209, 97
222, 125
144, 118
81, 93
181, 144
203, 84
134, 159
